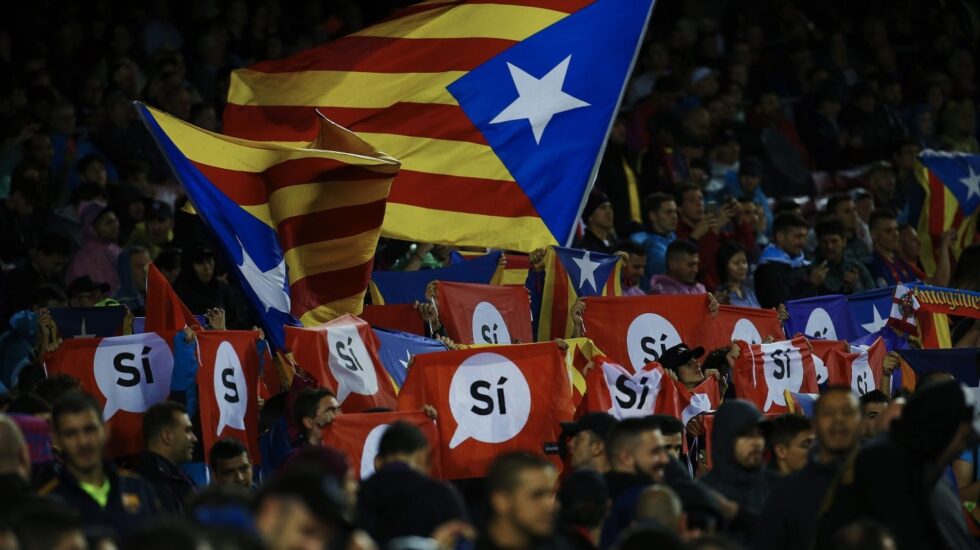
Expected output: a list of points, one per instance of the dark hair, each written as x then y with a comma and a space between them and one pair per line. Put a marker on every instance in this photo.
40, 524
168, 258
784, 206
401, 438
684, 189
726, 252
878, 215
680, 247
667, 424
55, 387
784, 428
133, 167
584, 499
306, 404
53, 243
863, 534
504, 473
717, 359
75, 403
625, 432
874, 396
630, 247
160, 417
46, 293
29, 403
833, 226
164, 533
786, 221
828, 391
88, 160
653, 201
226, 449
836, 200
644, 538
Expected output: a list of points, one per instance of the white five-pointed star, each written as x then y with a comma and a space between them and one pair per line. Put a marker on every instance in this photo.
877, 324
586, 270
269, 285
408, 359
538, 100
972, 183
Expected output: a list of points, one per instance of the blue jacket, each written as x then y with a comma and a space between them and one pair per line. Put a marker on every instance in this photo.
758, 197
655, 245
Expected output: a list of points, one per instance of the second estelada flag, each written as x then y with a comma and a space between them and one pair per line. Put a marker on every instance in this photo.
484, 314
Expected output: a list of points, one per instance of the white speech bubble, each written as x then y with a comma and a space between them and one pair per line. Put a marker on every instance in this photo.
632, 394
350, 362
821, 369
489, 326
370, 450
820, 325
489, 399
648, 337
133, 372
783, 369
862, 380
746, 331
700, 403
230, 388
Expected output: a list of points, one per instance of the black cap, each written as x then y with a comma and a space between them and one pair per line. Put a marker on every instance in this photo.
159, 210
596, 199
679, 355
85, 283
599, 423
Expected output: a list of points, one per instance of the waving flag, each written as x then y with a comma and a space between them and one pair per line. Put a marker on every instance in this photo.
164, 309
476, 98
951, 184
764, 372
625, 393
406, 287
580, 357
962, 363
299, 225
822, 350
569, 274
825, 317
860, 368
358, 435
397, 349
228, 379
869, 310
88, 322
703, 398
484, 314
749, 324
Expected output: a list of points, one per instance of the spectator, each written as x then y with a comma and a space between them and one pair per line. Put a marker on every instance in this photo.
661, 213
693, 223
873, 404
820, 129
200, 288
45, 266
20, 222
15, 468
583, 506
99, 254
886, 267
673, 431
845, 275
864, 535
784, 273
636, 262
169, 263
884, 189
857, 237
709, 229
169, 438
617, 179
748, 184
637, 455
733, 272
300, 508
49, 525
587, 441
681, 364
156, 232
659, 506
314, 410
84, 292
789, 440
230, 464
598, 217
133, 262
682, 269
521, 511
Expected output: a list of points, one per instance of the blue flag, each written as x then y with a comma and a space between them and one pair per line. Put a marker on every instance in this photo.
825, 317
396, 349
869, 310
962, 363
406, 287
88, 322
892, 341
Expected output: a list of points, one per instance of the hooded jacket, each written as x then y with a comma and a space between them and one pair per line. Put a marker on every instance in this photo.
98, 257
128, 294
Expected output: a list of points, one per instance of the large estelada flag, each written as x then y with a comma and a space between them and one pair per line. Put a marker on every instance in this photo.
342, 355
358, 436
484, 314
869, 310
126, 374
298, 224
476, 98
951, 185
569, 274
228, 379
407, 287
749, 324
763, 372
491, 400
636, 330
825, 317
860, 368
164, 309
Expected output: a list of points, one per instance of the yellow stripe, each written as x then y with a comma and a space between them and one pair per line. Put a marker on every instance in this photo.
414, 223
442, 156
514, 276
340, 88
331, 310
332, 255
469, 21
297, 200
547, 297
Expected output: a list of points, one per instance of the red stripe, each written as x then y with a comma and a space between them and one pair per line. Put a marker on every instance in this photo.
564, 6
559, 300
315, 290
937, 205
330, 224
292, 123
461, 194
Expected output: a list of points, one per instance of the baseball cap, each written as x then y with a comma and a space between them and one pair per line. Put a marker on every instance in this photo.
599, 423
679, 355
85, 283
159, 210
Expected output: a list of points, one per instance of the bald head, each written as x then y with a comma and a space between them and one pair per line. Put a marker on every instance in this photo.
14, 457
660, 503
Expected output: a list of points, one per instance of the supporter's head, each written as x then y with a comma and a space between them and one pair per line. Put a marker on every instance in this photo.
521, 494
201, 259
884, 231
750, 174
704, 82
38, 150
642, 538
84, 292
905, 155
165, 533
789, 440
31, 404
881, 180
584, 500
661, 210
690, 203
15, 458
598, 213
864, 535
300, 508
683, 361
134, 172
725, 148
636, 447
23, 197
53, 388
314, 410
91, 169
909, 245
50, 255
159, 222
139, 258
837, 421
78, 431
636, 262
842, 206
327, 461
225, 514
787, 206
47, 296
106, 224
732, 263
230, 464
587, 440
673, 431
404, 443
873, 404
48, 525
168, 262
828, 99
204, 117
682, 261
698, 172
168, 432
790, 232
737, 440
661, 505
936, 423
864, 203
831, 239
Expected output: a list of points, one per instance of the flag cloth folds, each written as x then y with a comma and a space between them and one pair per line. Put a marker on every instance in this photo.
869, 310
951, 185
477, 98
749, 324
164, 309
88, 322
406, 287
358, 435
860, 368
825, 317
569, 274
625, 393
822, 350
764, 372
484, 314
397, 349
299, 225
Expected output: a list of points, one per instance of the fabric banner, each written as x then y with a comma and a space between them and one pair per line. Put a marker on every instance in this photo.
569, 274
407, 287
228, 392
358, 436
88, 322
484, 314
624, 393
869, 310
860, 368
822, 349
749, 324
397, 349
763, 372
164, 309
401, 317
825, 317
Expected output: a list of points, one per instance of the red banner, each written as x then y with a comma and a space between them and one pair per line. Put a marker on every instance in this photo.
484, 314
342, 355
859, 368
164, 309
618, 390
403, 317
764, 371
822, 350
749, 324
358, 436
227, 378
490, 401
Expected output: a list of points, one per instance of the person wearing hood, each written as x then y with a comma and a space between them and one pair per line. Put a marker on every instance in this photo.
898, 478
738, 471
784, 273
199, 287
99, 252
132, 278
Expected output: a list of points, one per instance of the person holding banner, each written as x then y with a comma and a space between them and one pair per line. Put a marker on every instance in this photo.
314, 410
784, 273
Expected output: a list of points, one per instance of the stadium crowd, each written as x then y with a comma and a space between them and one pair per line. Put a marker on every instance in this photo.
764, 152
